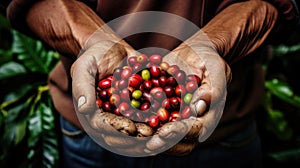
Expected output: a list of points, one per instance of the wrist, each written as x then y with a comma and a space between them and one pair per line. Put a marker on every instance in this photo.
102, 35
236, 36
107, 42
65, 30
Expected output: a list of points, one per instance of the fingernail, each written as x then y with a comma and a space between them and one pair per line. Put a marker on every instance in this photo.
200, 107
81, 101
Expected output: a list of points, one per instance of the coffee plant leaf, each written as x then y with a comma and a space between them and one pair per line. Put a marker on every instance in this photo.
33, 54
41, 128
283, 91
11, 69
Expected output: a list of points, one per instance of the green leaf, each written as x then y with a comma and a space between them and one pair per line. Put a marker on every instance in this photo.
26, 117
20, 131
286, 155
16, 100
14, 126
42, 132
5, 55
283, 50
283, 91
17, 111
268, 100
33, 54
278, 125
11, 69
14, 121
19, 85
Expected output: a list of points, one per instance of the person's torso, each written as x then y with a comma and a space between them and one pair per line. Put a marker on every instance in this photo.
247, 82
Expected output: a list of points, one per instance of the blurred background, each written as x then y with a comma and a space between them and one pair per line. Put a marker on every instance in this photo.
29, 135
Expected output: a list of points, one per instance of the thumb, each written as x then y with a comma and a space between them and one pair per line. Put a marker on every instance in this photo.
83, 74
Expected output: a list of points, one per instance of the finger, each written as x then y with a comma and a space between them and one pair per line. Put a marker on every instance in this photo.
204, 125
156, 143
209, 100
99, 59
173, 58
168, 135
206, 122
175, 130
194, 131
110, 123
124, 125
105, 132
143, 130
111, 59
218, 76
210, 120
202, 96
100, 122
83, 74
189, 128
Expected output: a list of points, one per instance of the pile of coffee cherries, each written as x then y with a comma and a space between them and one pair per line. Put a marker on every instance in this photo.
146, 89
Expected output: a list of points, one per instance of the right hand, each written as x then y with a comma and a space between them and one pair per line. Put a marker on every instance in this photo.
116, 133
95, 63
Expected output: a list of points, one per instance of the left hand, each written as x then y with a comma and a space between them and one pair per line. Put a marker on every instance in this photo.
208, 100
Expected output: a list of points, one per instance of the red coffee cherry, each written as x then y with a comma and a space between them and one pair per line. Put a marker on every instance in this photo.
104, 84
162, 114
146, 89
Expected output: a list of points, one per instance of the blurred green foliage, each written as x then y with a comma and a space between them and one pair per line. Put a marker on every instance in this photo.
279, 123
29, 133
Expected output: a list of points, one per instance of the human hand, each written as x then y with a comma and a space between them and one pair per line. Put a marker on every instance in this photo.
230, 38
116, 133
94, 63
207, 102
107, 126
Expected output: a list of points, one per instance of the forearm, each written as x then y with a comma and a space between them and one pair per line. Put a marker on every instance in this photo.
64, 25
239, 29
